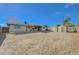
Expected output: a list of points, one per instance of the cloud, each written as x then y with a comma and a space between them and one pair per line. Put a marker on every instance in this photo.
68, 5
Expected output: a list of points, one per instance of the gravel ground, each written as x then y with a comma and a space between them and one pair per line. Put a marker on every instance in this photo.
51, 43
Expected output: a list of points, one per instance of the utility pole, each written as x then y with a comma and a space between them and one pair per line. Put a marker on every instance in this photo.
78, 14
25, 22
77, 28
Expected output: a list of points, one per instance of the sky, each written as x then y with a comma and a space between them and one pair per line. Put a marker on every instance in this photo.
50, 14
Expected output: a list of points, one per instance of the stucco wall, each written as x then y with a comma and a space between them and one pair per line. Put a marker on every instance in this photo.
11, 28
77, 28
20, 29
60, 29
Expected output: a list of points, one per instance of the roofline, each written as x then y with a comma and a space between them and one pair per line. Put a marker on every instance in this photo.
16, 24
22, 24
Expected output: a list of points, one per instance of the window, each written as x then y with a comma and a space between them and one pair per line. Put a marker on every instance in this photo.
16, 27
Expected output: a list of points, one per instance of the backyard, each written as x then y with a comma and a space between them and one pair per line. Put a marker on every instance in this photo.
40, 44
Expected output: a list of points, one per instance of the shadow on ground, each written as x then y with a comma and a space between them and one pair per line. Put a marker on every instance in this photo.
2, 38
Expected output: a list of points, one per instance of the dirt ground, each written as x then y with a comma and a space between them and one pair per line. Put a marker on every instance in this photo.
50, 43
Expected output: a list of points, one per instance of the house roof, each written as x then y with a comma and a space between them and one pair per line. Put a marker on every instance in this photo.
16, 24
22, 24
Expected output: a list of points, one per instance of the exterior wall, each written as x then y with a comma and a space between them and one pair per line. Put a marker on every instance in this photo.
64, 29
54, 29
12, 29
71, 29
60, 29
22, 28
77, 28
0, 30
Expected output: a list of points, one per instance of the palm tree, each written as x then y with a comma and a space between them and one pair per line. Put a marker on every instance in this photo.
67, 23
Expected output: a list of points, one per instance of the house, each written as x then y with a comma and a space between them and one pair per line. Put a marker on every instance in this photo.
54, 29
17, 28
3, 28
77, 28
64, 29
57, 29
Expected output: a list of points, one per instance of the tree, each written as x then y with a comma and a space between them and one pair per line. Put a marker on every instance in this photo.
25, 22
67, 23
45, 27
